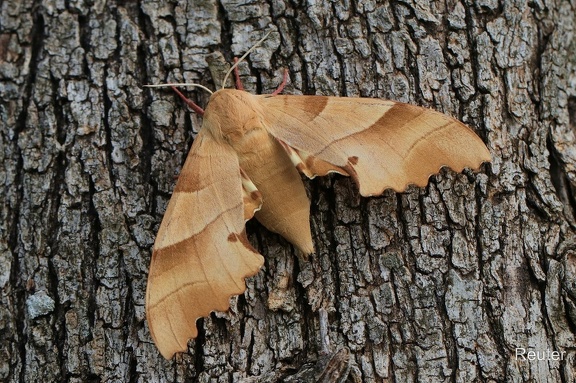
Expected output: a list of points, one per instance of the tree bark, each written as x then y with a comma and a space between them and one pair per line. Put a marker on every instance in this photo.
437, 284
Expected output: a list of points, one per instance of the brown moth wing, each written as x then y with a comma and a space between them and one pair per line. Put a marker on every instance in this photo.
201, 255
380, 143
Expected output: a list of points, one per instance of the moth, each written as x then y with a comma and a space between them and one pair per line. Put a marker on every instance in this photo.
245, 162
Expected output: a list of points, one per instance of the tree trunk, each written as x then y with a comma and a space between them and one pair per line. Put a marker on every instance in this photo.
438, 284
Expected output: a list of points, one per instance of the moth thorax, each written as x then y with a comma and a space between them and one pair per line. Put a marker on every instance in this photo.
231, 114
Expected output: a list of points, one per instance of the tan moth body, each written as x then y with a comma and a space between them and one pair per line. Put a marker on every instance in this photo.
245, 162
236, 118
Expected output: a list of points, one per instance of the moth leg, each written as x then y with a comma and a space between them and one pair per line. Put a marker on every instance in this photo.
282, 84
239, 85
189, 102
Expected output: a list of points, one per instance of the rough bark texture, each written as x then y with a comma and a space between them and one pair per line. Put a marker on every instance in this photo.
439, 284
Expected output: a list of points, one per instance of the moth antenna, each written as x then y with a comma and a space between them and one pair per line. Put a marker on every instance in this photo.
190, 103
243, 57
179, 84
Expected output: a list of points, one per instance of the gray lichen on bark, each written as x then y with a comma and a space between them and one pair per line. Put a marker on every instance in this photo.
441, 283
